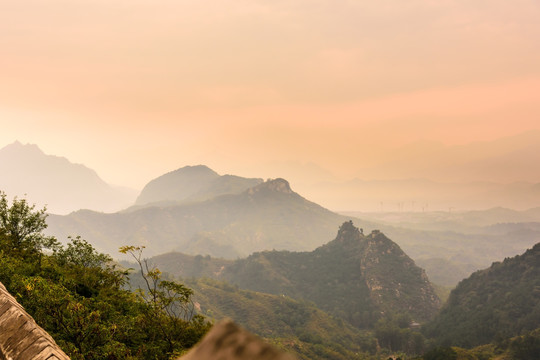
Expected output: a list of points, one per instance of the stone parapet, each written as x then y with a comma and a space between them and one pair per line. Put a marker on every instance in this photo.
227, 341
20, 337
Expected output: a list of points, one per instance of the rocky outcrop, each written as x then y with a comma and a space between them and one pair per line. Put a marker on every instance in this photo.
227, 341
20, 337
276, 185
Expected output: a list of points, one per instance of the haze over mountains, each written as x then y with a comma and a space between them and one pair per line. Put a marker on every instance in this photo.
505, 160
56, 182
280, 242
423, 176
427, 175
197, 211
267, 216
251, 131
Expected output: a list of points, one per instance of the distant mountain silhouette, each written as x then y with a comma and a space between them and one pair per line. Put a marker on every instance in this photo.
56, 182
192, 183
264, 217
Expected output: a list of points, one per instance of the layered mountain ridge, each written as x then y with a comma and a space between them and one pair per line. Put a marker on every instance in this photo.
267, 216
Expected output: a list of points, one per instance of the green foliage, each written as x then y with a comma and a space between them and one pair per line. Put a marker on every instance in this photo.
168, 302
295, 326
77, 295
496, 303
21, 227
526, 347
393, 333
441, 353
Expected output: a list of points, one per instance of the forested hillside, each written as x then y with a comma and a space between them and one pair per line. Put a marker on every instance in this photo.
356, 277
296, 326
496, 303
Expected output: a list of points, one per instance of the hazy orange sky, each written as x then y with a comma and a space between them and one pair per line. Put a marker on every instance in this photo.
137, 88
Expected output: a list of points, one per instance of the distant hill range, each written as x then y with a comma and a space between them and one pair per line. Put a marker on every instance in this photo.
192, 184
492, 304
356, 277
56, 182
195, 211
264, 217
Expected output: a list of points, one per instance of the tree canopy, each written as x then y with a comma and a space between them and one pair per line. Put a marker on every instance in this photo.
79, 296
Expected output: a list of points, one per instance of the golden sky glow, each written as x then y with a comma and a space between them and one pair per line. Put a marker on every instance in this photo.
136, 88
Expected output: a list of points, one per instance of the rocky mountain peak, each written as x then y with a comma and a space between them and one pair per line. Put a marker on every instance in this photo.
348, 230
275, 185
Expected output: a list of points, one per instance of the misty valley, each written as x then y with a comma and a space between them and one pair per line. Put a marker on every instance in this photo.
195, 247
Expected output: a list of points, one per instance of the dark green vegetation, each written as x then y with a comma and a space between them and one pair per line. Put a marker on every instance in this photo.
497, 303
356, 277
267, 216
492, 307
354, 297
296, 326
523, 347
77, 295
192, 184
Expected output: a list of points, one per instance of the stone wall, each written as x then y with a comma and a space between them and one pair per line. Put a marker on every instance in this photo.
20, 337
228, 341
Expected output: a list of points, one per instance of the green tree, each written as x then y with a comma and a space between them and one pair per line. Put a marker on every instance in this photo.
526, 347
441, 353
393, 333
170, 304
21, 227
78, 295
